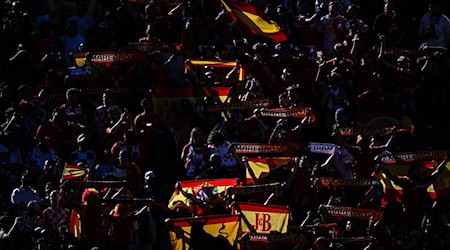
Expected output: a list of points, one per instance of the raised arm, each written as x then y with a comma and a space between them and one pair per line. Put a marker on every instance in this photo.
442, 166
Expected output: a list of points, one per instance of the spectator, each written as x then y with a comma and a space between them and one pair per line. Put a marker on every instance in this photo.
133, 172
106, 115
25, 225
24, 194
83, 154
38, 155
71, 41
56, 214
215, 171
434, 26
331, 27
195, 153
228, 160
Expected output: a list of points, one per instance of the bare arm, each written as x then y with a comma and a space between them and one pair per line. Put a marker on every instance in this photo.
442, 166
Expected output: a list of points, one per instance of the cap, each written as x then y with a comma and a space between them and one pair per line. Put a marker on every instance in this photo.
149, 175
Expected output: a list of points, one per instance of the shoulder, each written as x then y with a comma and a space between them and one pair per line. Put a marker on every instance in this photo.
16, 190
447, 20
426, 16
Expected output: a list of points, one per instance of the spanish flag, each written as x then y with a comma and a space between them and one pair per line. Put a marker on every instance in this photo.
259, 168
214, 231
254, 20
182, 196
263, 218
391, 190
75, 224
442, 183
215, 64
72, 172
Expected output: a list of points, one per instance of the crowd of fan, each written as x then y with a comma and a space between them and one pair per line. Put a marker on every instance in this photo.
345, 61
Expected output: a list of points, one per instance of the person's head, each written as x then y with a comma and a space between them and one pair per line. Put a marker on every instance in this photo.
147, 104
341, 117
403, 62
209, 78
25, 92
55, 199
375, 81
234, 116
57, 115
107, 98
49, 164
287, 76
215, 161
240, 46
33, 207
389, 8
73, 96
304, 163
333, 8
269, 10
9, 113
150, 31
339, 50
150, 11
215, 138
334, 80
49, 188
352, 11
122, 210
414, 172
150, 178
124, 157
25, 179
260, 50
82, 142
196, 136
281, 11
281, 131
90, 196
107, 157
435, 8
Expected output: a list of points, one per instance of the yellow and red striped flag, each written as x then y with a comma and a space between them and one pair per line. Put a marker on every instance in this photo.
253, 20
212, 231
72, 172
75, 224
